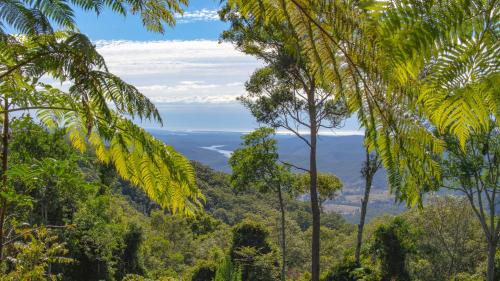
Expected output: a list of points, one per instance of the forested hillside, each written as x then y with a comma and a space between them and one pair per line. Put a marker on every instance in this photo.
84, 223
340, 155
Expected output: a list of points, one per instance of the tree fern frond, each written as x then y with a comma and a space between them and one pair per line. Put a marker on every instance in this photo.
407, 66
92, 113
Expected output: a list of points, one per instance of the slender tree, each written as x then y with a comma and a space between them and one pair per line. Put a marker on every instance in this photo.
286, 94
256, 165
451, 235
370, 167
475, 172
274, 100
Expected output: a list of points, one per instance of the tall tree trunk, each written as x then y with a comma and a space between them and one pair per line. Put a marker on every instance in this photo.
3, 174
368, 172
492, 249
493, 237
489, 231
361, 225
283, 235
313, 172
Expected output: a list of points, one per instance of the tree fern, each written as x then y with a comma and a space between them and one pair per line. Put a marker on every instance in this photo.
93, 111
406, 67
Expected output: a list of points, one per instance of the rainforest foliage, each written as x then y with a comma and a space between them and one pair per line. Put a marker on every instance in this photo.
87, 194
80, 221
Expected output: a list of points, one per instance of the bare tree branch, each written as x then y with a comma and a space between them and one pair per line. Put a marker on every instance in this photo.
295, 166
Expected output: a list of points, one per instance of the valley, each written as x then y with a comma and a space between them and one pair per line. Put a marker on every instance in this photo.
341, 155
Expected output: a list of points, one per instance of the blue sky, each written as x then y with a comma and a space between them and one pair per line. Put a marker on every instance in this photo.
199, 22
193, 79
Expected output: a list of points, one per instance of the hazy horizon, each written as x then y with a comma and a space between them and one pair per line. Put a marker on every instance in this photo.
221, 117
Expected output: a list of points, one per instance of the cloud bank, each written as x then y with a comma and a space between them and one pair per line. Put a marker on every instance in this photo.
197, 16
194, 83
199, 71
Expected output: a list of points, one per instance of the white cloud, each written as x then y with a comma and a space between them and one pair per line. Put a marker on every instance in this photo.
201, 71
324, 132
197, 15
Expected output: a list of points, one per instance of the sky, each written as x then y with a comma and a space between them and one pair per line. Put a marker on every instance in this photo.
192, 78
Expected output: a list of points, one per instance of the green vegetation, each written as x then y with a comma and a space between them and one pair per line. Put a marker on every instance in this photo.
285, 94
92, 225
105, 231
256, 165
413, 71
370, 166
86, 194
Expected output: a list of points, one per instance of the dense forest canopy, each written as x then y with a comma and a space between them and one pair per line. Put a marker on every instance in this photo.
87, 194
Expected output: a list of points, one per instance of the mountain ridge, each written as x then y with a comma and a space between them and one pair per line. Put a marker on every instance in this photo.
341, 155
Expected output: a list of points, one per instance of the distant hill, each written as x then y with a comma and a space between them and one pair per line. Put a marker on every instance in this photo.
342, 155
